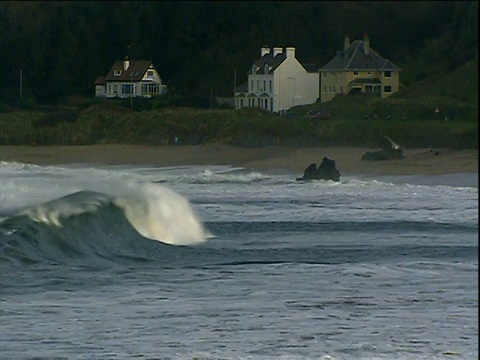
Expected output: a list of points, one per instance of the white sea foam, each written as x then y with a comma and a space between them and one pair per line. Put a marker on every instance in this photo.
155, 211
159, 213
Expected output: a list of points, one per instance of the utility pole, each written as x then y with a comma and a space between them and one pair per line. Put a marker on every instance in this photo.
21, 84
131, 90
234, 87
211, 97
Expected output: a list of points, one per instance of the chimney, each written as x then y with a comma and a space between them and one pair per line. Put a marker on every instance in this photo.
366, 45
126, 63
290, 51
276, 51
346, 42
264, 51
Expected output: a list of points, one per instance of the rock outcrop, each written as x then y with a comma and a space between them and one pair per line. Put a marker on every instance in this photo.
326, 171
389, 152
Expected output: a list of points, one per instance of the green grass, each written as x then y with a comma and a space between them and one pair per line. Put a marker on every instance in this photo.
358, 120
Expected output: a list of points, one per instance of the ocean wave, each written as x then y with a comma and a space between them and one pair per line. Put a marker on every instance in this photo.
100, 223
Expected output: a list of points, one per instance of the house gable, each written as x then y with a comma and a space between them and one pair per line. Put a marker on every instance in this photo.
277, 81
354, 58
358, 67
130, 78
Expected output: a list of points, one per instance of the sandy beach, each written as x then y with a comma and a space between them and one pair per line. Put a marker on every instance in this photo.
286, 159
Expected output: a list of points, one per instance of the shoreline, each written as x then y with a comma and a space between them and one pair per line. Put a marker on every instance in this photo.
274, 158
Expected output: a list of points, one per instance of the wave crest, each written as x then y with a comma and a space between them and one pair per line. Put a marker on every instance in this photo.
154, 211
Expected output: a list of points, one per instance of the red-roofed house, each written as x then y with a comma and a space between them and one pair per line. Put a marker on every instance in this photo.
130, 78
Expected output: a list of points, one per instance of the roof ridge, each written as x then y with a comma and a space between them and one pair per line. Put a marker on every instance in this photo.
353, 55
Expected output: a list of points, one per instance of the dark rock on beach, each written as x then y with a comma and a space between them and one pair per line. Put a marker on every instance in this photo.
326, 171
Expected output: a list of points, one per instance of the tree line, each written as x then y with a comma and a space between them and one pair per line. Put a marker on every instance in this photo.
59, 48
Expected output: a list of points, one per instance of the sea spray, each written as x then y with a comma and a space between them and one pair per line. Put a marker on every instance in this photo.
154, 211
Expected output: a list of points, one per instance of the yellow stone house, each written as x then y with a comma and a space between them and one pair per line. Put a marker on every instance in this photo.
358, 68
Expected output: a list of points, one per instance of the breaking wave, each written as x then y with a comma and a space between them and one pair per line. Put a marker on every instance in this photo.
89, 222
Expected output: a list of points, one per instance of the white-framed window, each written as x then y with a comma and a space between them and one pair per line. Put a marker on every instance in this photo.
355, 73
265, 87
387, 89
150, 74
115, 89
270, 85
117, 72
127, 89
387, 74
109, 89
251, 86
258, 85
150, 89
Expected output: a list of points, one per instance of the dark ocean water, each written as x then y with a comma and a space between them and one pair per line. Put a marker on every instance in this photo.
224, 263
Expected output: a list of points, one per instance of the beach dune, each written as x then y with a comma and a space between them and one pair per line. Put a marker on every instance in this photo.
274, 158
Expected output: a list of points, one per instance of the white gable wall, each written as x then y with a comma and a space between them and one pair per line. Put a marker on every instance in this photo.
294, 85
291, 85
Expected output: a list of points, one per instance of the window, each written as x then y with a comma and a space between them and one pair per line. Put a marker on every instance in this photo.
251, 86
270, 85
241, 103
150, 74
265, 86
387, 74
387, 89
109, 88
258, 85
127, 89
355, 73
330, 88
266, 104
150, 89
115, 89
117, 72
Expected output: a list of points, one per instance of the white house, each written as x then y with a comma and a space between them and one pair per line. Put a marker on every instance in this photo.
277, 81
130, 78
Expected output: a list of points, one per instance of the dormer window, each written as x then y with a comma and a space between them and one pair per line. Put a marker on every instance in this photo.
117, 72
150, 74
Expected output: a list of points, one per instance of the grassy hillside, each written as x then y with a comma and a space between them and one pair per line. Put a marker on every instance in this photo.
455, 93
358, 120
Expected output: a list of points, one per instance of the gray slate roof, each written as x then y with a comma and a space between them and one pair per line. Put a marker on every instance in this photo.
354, 59
274, 62
137, 69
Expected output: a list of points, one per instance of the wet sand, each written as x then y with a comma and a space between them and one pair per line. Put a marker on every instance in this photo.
278, 159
